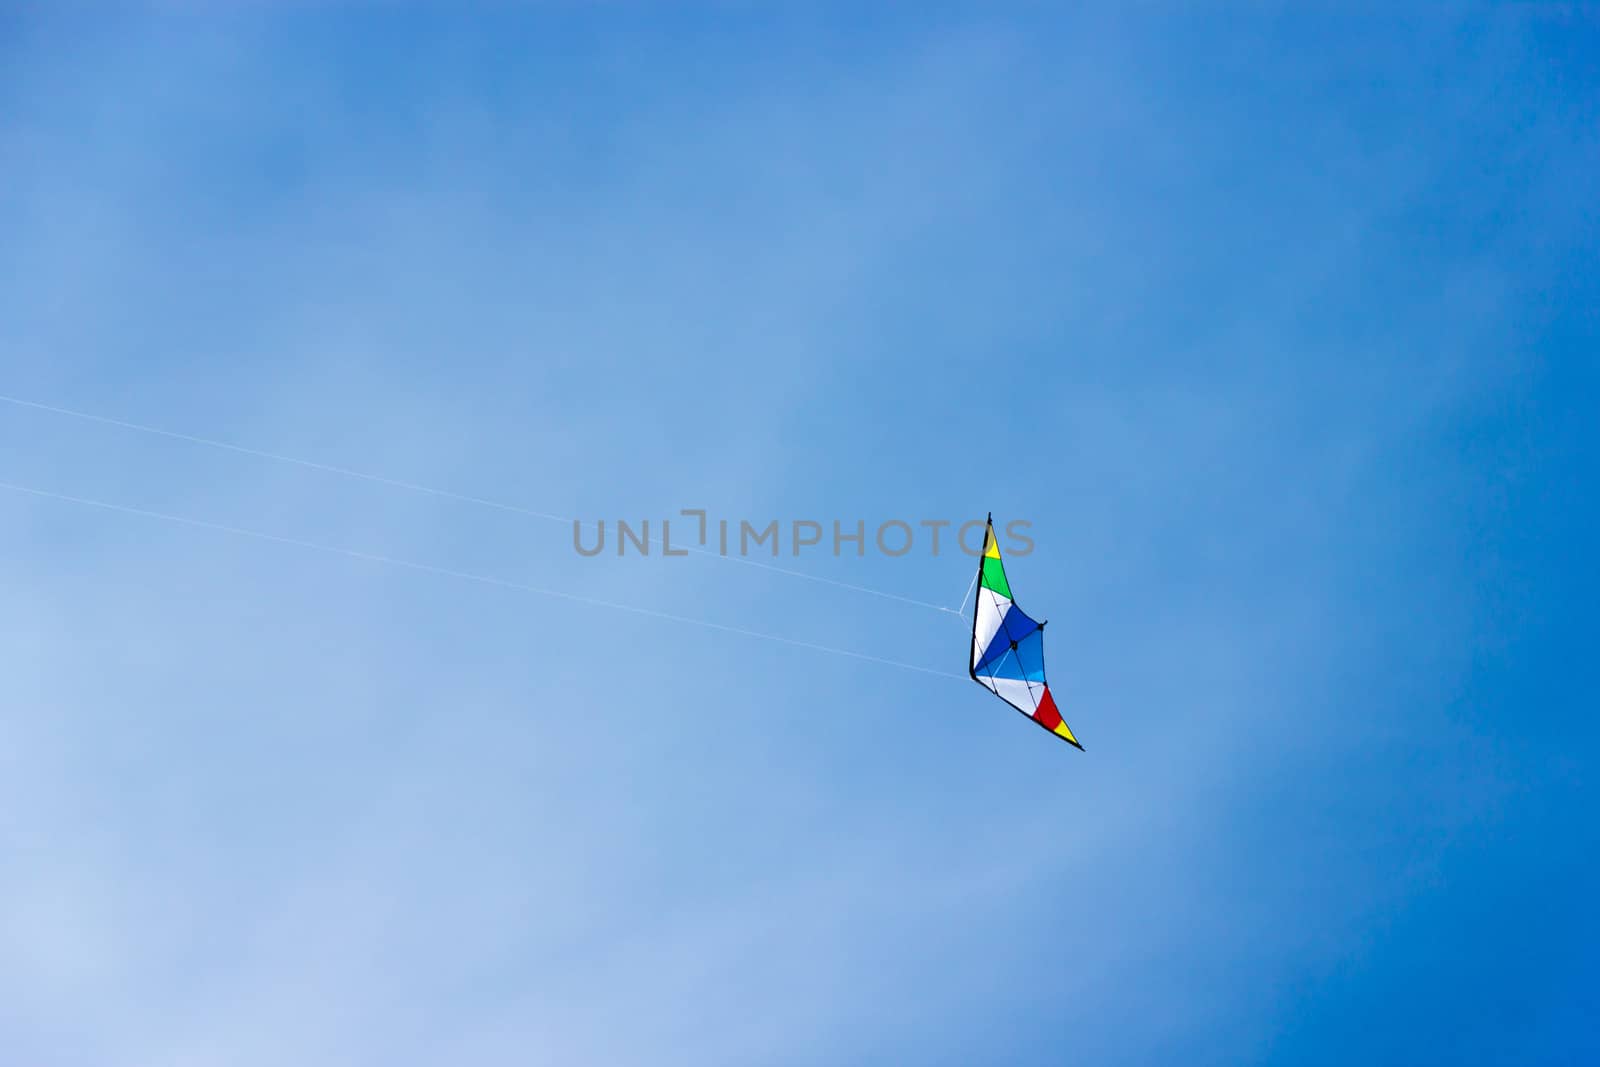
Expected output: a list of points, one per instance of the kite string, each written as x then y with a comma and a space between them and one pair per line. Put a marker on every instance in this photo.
469, 576
962, 610
415, 487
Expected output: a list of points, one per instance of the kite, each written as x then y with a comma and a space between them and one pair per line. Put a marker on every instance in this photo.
1008, 646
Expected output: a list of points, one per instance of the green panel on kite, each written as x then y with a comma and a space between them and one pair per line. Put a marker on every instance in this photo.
994, 577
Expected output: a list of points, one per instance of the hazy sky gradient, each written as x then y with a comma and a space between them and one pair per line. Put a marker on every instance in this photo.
1280, 328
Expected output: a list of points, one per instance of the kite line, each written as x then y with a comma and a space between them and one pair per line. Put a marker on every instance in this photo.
446, 494
970, 587
481, 579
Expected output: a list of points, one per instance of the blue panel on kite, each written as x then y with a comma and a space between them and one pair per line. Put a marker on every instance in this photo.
1025, 663
1014, 626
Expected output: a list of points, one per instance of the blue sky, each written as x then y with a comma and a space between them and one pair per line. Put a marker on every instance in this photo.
1279, 327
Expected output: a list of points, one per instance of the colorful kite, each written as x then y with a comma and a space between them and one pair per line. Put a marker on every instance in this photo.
1008, 647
